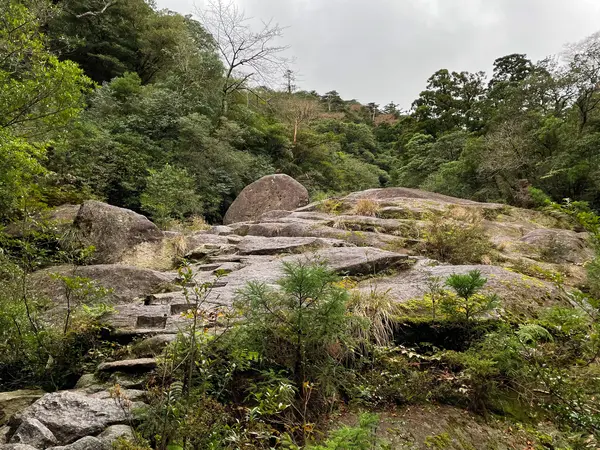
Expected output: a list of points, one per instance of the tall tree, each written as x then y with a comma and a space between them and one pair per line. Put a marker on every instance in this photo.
248, 55
452, 100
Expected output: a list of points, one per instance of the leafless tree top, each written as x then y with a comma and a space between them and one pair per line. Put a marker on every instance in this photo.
248, 53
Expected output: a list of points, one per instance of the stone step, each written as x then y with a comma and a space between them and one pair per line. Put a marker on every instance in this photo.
159, 322
129, 365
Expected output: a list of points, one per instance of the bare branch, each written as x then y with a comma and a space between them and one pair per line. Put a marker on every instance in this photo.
249, 56
97, 13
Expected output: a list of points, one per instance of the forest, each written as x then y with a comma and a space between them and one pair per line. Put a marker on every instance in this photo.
471, 319
138, 107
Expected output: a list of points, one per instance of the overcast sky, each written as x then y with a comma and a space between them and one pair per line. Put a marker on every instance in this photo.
384, 50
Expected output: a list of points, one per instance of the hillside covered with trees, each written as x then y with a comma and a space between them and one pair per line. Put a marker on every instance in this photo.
147, 110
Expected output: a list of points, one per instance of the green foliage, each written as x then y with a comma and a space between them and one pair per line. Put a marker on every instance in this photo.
361, 437
468, 303
170, 194
456, 241
303, 327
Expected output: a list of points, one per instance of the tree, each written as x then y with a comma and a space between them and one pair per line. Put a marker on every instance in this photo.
452, 100
38, 93
248, 55
170, 194
583, 59
468, 304
298, 111
511, 69
333, 100
290, 79
39, 96
373, 110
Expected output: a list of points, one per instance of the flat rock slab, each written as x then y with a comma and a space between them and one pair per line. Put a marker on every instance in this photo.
14, 402
129, 365
124, 282
256, 245
343, 260
517, 291
71, 415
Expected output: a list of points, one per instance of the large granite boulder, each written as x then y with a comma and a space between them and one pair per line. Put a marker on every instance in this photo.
273, 192
71, 415
112, 230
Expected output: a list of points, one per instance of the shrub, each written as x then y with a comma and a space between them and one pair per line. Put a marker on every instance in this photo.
457, 242
170, 194
468, 303
304, 329
362, 437
366, 207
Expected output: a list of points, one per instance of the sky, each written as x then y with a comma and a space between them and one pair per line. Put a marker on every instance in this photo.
384, 50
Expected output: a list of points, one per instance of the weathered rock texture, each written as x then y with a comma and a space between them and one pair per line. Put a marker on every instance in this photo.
113, 231
71, 415
273, 192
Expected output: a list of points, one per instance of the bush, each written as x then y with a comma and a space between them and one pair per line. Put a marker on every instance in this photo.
170, 194
456, 241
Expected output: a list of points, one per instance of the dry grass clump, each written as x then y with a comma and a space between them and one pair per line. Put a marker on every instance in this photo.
379, 310
366, 207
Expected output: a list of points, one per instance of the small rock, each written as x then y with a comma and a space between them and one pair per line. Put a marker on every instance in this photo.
70, 415
85, 443
17, 447
129, 365
35, 433
114, 432
152, 346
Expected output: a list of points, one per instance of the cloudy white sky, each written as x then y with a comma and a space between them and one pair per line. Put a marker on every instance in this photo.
384, 50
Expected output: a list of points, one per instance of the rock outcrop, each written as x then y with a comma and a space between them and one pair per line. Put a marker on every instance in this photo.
273, 192
71, 415
35, 433
112, 230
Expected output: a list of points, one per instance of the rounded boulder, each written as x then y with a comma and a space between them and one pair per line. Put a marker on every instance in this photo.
272, 192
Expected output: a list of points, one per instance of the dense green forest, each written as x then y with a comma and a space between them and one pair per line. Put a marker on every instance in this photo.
146, 110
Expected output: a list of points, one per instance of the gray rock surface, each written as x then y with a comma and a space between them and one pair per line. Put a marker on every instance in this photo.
33, 432
17, 447
14, 402
272, 192
71, 415
85, 443
112, 230
114, 432
129, 365
124, 282
560, 245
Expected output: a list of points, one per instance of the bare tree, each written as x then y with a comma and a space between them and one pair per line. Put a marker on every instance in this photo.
248, 55
298, 111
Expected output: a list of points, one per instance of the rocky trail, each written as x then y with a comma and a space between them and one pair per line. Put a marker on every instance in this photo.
371, 237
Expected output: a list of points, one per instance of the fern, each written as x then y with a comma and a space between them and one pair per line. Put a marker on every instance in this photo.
532, 334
